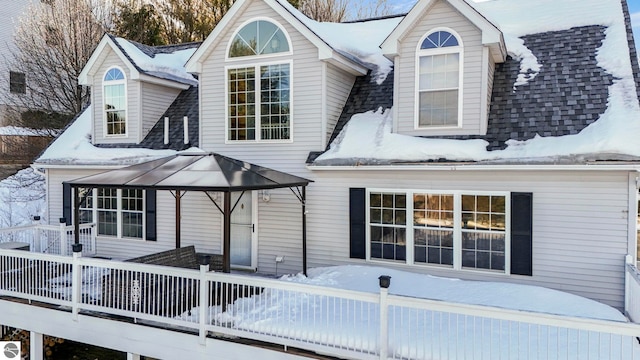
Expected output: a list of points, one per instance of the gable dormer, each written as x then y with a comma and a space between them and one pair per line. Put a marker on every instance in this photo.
444, 55
131, 87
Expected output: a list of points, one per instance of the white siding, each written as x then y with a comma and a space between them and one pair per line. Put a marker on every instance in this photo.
441, 14
306, 105
579, 223
10, 11
156, 99
133, 102
339, 84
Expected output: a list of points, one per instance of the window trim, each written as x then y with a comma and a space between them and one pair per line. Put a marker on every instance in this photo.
119, 211
457, 229
438, 51
260, 56
258, 139
126, 103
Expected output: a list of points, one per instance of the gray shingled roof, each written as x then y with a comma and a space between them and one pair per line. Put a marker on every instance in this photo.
570, 85
186, 104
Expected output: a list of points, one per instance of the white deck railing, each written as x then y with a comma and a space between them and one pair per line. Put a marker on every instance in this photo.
51, 239
632, 290
336, 322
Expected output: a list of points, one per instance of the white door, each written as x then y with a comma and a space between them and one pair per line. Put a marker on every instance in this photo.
242, 231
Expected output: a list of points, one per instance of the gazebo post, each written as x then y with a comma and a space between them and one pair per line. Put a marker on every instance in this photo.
178, 217
76, 216
304, 230
226, 248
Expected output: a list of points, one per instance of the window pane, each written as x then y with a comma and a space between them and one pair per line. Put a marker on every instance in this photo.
438, 108
274, 122
241, 104
132, 213
387, 232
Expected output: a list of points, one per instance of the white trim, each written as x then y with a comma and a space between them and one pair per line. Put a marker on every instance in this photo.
456, 229
87, 73
420, 53
140, 113
484, 91
634, 198
164, 82
258, 139
323, 103
258, 57
103, 112
491, 35
396, 90
477, 167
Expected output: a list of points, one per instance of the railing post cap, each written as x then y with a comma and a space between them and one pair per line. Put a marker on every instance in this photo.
37, 218
77, 248
205, 260
385, 281
63, 220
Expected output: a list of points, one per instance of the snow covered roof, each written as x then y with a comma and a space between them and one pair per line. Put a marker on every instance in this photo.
566, 92
165, 62
73, 147
155, 62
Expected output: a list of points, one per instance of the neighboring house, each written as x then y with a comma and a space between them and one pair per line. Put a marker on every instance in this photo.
506, 130
13, 82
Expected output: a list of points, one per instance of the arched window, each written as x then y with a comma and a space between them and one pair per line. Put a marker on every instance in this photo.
115, 105
439, 62
259, 37
259, 95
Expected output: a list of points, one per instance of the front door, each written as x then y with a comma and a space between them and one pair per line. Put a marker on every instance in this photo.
242, 231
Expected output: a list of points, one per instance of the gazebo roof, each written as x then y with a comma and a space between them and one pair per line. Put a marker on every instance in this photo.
198, 172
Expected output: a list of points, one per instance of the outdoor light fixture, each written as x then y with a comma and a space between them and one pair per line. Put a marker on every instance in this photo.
266, 196
385, 281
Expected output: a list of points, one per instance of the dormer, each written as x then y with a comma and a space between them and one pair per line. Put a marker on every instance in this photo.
132, 85
444, 55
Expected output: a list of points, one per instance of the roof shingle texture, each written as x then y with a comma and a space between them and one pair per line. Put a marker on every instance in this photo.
569, 93
186, 104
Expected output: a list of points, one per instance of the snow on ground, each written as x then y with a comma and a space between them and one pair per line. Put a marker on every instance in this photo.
22, 196
74, 146
420, 333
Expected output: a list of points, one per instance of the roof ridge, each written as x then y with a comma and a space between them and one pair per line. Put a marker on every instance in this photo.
383, 17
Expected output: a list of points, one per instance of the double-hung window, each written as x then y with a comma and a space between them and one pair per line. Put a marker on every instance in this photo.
258, 96
461, 230
115, 104
439, 80
117, 212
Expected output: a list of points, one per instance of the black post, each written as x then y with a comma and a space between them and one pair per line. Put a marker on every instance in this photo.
226, 249
304, 230
76, 216
178, 216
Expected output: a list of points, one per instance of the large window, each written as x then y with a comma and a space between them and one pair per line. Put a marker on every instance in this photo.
439, 63
258, 96
451, 229
115, 104
117, 212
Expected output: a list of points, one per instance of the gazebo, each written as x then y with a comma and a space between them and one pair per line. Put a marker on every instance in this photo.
205, 172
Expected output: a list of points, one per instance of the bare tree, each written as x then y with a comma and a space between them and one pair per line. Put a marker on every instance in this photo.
53, 42
325, 10
343, 10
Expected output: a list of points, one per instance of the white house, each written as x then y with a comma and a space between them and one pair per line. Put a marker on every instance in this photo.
507, 131
14, 82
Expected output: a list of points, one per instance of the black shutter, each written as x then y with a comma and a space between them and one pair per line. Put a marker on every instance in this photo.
66, 202
521, 233
150, 215
358, 243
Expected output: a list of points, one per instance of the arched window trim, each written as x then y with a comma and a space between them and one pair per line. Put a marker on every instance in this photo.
439, 51
106, 82
261, 56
